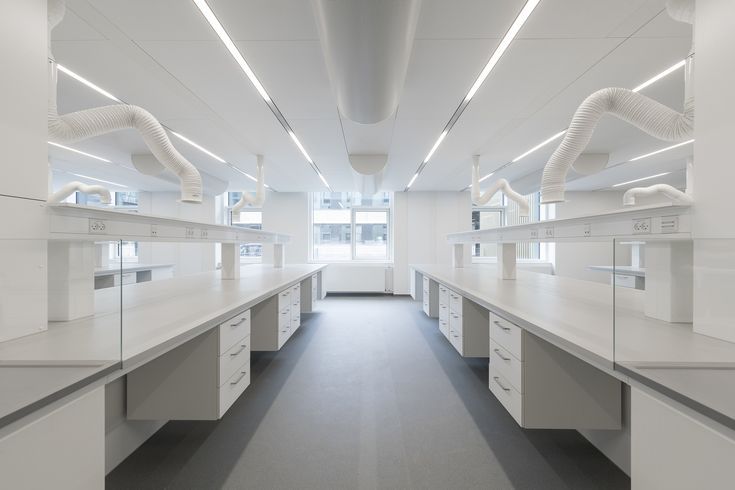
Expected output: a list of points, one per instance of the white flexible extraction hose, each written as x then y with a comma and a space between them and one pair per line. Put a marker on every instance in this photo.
259, 197
672, 193
646, 114
480, 199
78, 126
72, 187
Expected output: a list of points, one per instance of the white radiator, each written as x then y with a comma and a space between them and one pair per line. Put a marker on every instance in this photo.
359, 278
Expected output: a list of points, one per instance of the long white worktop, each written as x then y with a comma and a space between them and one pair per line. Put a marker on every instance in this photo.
584, 319
153, 318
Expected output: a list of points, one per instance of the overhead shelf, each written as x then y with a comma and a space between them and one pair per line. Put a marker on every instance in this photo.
669, 221
83, 223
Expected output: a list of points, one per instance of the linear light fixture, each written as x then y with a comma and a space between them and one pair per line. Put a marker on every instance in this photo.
183, 138
650, 81
210, 17
86, 82
510, 34
99, 180
661, 150
68, 148
642, 179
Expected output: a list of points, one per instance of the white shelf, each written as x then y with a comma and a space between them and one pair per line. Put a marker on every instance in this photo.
83, 223
666, 221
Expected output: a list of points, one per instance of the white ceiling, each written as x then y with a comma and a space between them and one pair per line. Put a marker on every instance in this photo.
163, 56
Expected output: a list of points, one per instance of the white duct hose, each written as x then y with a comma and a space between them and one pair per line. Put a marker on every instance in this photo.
259, 197
672, 193
72, 187
480, 199
644, 113
78, 126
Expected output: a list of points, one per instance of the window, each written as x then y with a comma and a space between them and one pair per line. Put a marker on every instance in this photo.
347, 226
247, 218
501, 211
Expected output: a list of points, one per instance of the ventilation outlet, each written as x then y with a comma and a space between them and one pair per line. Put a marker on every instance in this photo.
367, 45
368, 172
590, 163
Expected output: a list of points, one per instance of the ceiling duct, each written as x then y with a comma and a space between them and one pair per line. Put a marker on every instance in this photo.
367, 45
148, 164
368, 172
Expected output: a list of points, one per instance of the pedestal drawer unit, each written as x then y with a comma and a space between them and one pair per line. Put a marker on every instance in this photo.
295, 308
544, 387
467, 325
430, 297
275, 319
198, 380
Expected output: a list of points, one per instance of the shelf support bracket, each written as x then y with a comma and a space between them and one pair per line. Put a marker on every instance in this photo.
230, 261
279, 255
507, 261
458, 255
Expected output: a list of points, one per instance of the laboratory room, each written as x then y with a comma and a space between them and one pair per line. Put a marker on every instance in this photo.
367, 244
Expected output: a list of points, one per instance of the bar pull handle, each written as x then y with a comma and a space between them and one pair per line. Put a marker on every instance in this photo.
242, 348
497, 380
239, 322
497, 351
239, 378
502, 327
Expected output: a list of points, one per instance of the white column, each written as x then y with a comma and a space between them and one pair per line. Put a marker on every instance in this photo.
507, 261
279, 255
70, 280
458, 255
230, 261
669, 281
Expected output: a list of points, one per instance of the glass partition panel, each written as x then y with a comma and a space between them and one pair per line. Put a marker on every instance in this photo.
60, 319
674, 320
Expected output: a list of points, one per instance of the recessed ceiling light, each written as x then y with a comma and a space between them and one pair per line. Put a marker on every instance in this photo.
662, 150
86, 82
641, 179
68, 148
99, 180
658, 77
539, 146
197, 146
436, 145
413, 179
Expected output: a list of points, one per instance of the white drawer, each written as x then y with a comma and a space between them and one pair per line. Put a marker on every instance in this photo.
295, 320
511, 399
507, 335
284, 299
455, 322
296, 294
237, 356
284, 333
233, 330
507, 365
455, 302
284, 317
444, 327
443, 295
624, 281
233, 388
426, 283
444, 312
427, 305
455, 338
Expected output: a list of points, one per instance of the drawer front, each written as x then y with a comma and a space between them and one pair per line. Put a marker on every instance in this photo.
426, 283
284, 317
444, 312
284, 333
296, 295
295, 320
443, 295
237, 356
455, 322
507, 334
624, 281
284, 299
455, 302
511, 399
233, 330
507, 365
455, 338
233, 388
444, 327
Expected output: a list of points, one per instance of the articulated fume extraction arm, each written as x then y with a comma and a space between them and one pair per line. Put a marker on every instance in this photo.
78, 126
259, 197
646, 114
479, 199
72, 187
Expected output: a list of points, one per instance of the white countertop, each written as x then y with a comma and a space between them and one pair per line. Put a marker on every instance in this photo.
156, 317
127, 267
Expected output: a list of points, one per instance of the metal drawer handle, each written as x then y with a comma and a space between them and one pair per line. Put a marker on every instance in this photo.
497, 380
497, 351
240, 322
285, 312
242, 348
503, 327
242, 375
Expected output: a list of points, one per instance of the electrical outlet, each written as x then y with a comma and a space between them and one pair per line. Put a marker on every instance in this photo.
588, 229
641, 226
154, 230
549, 232
97, 226
204, 233
189, 232
534, 234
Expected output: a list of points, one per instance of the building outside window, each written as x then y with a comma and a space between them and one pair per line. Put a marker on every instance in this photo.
346, 226
247, 218
501, 211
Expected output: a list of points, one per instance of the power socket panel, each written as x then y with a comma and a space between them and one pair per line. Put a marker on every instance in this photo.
642, 226
97, 226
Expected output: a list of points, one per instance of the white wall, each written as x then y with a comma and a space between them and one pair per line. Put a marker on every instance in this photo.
288, 212
573, 258
23, 169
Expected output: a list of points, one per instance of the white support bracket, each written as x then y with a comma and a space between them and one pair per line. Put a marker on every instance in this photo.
458, 255
669, 281
230, 261
279, 255
70, 280
507, 261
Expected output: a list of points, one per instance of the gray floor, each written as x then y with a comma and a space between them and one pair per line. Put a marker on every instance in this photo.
367, 394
